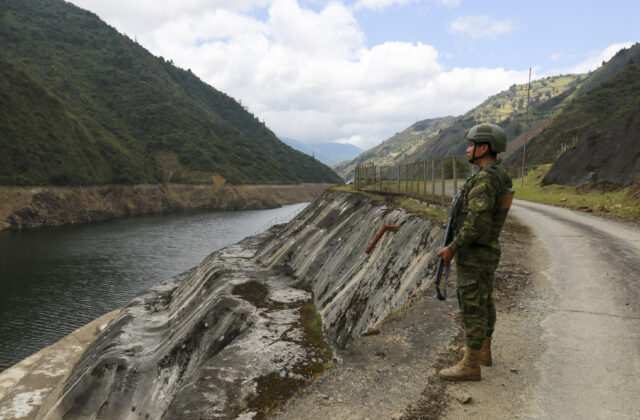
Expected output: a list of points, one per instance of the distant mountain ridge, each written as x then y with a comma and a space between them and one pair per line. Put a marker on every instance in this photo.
394, 149
83, 104
328, 153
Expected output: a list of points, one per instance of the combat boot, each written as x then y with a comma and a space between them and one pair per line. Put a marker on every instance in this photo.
485, 353
467, 369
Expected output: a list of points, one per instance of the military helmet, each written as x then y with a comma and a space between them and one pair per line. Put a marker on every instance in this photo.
488, 133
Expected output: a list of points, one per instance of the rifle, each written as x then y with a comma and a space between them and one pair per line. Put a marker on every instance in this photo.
448, 236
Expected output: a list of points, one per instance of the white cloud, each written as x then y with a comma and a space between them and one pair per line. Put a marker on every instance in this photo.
451, 3
595, 58
310, 74
140, 16
556, 57
481, 26
383, 4
378, 4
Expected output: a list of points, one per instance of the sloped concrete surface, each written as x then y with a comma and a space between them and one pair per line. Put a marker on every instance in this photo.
234, 337
25, 386
195, 346
324, 248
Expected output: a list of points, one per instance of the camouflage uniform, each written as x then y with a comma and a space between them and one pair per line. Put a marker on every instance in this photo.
477, 249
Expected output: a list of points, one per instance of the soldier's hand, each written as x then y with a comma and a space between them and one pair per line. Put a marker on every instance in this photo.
446, 255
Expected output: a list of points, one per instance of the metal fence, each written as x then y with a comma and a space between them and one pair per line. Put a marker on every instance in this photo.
279, 220
430, 180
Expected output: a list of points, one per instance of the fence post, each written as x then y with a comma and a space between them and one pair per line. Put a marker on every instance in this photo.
387, 178
443, 182
433, 179
410, 175
406, 178
364, 177
373, 177
455, 177
398, 178
424, 178
413, 175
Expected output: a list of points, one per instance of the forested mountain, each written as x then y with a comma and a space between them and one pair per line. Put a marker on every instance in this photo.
394, 149
84, 104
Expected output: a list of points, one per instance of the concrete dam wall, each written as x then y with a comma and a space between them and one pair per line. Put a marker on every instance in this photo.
255, 322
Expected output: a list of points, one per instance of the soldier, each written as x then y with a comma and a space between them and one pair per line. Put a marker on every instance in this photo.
479, 217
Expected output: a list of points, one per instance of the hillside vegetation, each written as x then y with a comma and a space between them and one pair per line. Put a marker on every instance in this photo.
619, 203
596, 141
83, 104
604, 111
438, 137
513, 101
547, 98
604, 99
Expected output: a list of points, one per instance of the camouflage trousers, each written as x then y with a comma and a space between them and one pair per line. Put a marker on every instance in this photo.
475, 297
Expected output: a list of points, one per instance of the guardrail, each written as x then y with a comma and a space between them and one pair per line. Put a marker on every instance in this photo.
279, 220
418, 180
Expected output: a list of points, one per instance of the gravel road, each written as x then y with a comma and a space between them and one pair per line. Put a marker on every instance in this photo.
591, 367
570, 348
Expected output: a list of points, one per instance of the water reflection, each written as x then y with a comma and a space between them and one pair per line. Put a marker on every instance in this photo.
54, 280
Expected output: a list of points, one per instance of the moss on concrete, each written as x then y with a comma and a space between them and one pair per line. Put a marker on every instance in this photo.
273, 390
253, 292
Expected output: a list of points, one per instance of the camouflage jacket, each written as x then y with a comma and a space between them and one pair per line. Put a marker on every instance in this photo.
478, 219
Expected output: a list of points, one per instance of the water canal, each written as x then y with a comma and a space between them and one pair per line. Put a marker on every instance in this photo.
54, 280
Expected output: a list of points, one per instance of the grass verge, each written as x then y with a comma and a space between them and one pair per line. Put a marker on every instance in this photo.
615, 203
433, 212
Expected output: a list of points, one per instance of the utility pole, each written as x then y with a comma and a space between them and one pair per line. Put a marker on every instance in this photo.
526, 128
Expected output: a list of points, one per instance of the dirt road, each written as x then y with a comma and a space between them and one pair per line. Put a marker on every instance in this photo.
571, 347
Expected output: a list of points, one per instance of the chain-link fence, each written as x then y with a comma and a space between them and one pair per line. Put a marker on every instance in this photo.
431, 180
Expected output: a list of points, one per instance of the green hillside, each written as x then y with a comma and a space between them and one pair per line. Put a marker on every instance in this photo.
83, 104
596, 141
393, 150
546, 147
548, 97
513, 101
42, 143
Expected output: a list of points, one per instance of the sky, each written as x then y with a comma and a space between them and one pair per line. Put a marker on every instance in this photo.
358, 71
